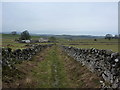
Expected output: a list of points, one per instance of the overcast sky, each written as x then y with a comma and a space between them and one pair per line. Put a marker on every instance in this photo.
78, 18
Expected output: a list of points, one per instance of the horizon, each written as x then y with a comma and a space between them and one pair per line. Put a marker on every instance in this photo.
18, 33
75, 18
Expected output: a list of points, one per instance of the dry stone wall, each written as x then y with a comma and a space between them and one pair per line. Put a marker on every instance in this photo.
104, 63
9, 57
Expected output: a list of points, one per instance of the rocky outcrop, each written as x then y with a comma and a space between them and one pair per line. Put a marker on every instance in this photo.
104, 63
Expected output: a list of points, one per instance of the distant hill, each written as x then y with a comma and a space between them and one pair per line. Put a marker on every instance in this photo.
77, 36
71, 36
64, 36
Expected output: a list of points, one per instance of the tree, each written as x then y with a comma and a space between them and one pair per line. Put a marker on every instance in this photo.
108, 36
116, 36
25, 35
14, 33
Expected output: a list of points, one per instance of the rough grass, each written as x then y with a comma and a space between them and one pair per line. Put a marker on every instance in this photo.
28, 68
79, 76
51, 71
52, 68
44, 71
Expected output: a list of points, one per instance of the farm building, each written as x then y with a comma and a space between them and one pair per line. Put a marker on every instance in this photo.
25, 41
43, 40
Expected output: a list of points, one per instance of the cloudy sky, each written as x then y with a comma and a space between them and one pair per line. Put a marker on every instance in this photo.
75, 18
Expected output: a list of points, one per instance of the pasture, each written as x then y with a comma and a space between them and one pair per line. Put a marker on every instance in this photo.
8, 40
90, 43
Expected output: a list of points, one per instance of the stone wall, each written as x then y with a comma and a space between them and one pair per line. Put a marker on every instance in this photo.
104, 63
11, 57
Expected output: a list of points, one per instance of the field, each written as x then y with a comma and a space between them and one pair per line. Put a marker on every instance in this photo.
90, 43
8, 41
99, 44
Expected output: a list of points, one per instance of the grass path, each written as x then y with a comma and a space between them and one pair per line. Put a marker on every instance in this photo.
51, 73
52, 68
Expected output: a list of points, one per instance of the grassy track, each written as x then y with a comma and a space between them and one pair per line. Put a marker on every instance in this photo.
50, 71
58, 70
52, 68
